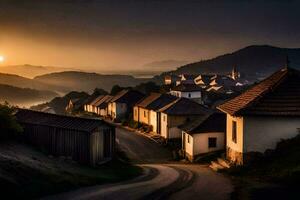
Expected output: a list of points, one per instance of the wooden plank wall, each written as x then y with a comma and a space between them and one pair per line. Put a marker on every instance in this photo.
59, 142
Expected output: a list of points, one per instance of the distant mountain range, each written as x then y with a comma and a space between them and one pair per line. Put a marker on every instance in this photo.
64, 82
30, 71
164, 65
252, 61
84, 81
24, 96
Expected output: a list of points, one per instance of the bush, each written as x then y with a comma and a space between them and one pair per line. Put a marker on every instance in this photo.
9, 128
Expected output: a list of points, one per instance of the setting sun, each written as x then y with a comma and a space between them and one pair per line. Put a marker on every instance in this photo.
2, 58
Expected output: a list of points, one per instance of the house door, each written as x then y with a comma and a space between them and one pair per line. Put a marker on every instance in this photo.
158, 123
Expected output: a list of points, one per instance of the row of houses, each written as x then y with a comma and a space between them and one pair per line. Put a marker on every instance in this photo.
116, 107
200, 129
250, 123
208, 82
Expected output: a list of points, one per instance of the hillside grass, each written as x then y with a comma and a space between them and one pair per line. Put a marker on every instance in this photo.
275, 175
26, 173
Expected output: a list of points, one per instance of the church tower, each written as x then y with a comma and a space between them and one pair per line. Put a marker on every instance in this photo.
235, 74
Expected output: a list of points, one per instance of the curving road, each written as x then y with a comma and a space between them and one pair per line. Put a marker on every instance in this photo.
161, 179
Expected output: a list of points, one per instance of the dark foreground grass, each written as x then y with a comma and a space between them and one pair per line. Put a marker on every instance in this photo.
35, 176
275, 175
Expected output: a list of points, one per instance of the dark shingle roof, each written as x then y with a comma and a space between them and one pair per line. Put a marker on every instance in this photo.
162, 101
102, 103
94, 102
210, 122
149, 99
187, 88
277, 95
60, 121
184, 106
129, 97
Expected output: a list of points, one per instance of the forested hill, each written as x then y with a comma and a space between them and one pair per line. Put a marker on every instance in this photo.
23, 96
252, 61
83, 81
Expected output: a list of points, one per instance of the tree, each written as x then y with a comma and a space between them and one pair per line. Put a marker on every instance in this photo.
9, 128
116, 88
147, 88
98, 92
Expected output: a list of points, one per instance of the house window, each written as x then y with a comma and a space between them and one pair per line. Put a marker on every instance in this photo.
212, 142
135, 112
164, 118
188, 138
145, 114
190, 95
234, 131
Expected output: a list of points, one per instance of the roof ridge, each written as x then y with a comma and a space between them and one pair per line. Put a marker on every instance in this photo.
59, 115
257, 92
267, 90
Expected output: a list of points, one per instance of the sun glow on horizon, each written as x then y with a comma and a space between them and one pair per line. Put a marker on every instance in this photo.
2, 58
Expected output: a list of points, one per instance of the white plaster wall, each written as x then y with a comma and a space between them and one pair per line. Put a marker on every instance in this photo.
153, 120
238, 146
200, 143
164, 125
136, 113
188, 145
262, 133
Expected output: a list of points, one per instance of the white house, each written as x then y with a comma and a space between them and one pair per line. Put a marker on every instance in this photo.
178, 113
101, 106
91, 106
190, 91
204, 134
263, 115
122, 103
145, 111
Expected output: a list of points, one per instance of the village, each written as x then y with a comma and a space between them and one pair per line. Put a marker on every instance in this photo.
234, 127
182, 127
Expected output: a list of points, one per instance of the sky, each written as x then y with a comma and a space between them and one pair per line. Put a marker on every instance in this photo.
127, 34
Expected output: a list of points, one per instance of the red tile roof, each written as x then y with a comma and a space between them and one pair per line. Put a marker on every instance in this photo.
277, 95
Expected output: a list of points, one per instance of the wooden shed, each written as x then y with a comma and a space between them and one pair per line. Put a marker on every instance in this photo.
88, 141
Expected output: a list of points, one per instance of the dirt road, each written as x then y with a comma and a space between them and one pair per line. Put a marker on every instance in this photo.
161, 179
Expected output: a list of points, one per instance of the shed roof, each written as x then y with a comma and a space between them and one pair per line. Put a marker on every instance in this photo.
278, 95
184, 106
60, 121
